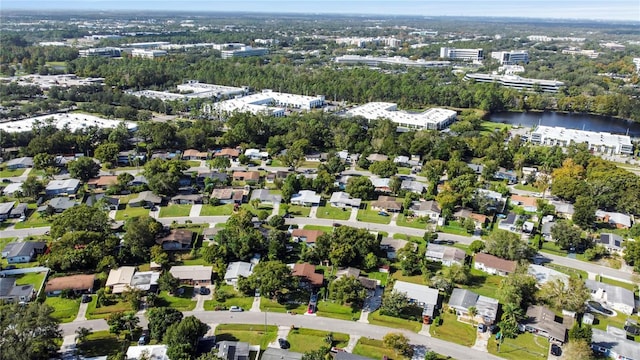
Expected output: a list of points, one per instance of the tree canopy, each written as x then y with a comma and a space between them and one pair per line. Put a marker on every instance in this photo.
29, 332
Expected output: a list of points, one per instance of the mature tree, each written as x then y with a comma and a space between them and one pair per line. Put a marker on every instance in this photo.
333, 165
276, 221
29, 332
346, 246
123, 323
277, 248
160, 319
320, 354
458, 274
399, 343
568, 181
42, 161
80, 250
581, 332
163, 176
107, 152
159, 256
584, 212
220, 163
32, 187
323, 183
410, 260
140, 235
518, 288
476, 246
166, 282
396, 304
182, 337
360, 187
270, 278
295, 153
83, 168
240, 238
512, 314
82, 333
290, 186
384, 169
347, 290
632, 254
81, 218
578, 349
568, 236
561, 296
507, 245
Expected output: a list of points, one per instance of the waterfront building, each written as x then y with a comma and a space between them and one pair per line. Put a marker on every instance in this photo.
431, 119
517, 82
600, 142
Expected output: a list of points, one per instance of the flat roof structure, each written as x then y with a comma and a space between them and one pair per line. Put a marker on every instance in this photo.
73, 121
517, 82
601, 142
395, 60
431, 119
47, 81
268, 102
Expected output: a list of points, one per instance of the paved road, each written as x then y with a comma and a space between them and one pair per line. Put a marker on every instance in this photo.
589, 267
313, 322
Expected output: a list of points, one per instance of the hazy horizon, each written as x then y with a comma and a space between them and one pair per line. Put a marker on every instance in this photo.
628, 10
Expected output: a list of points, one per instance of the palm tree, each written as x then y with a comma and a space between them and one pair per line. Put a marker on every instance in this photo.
473, 311
82, 333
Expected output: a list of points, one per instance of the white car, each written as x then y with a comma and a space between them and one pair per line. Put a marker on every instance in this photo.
235, 309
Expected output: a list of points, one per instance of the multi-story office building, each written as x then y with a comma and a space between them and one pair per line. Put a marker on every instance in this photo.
396, 60
244, 51
146, 45
198, 89
517, 82
513, 57
101, 52
461, 54
150, 54
432, 119
592, 54
268, 102
600, 142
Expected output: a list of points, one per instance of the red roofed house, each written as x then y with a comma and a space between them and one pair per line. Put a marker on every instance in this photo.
227, 152
308, 236
193, 154
307, 274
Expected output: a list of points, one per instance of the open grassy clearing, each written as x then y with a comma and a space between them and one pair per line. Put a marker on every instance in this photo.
175, 210
453, 330
253, 334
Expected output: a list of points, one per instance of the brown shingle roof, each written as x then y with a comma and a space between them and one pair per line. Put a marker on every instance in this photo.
73, 282
525, 200
308, 272
495, 262
194, 152
103, 180
180, 235
246, 175
310, 236
228, 152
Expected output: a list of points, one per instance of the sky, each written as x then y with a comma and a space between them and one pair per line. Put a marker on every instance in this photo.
567, 9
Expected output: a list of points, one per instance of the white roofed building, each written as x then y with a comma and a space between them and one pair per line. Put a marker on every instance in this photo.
600, 142
517, 82
431, 119
72, 121
268, 102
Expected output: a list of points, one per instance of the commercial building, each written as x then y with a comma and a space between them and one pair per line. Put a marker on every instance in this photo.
244, 51
431, 119
461, 54
385, 60
600, 142
511, 57
517, 82
146, 45
149, 54
592, 54
268, 102
636, 62
72, 122
100, 52
198, 89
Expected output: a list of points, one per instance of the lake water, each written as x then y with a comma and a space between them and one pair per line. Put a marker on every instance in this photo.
571, 121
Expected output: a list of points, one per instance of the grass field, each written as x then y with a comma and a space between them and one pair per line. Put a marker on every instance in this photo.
484, 284
103, 312
274, 306
376, 275
220, 210
253, 334
64, 310
414, 279
453, 227
34, 279
525, 347
337, 311
625, 285
389, 321
4, 172
617, 321
100, 343
5, 241
296, 210
410, 222
327, 229
490, 126
184, 302
374, 349
35, 220
454, 331
131, 212
372, 216
567, 270
526, 187
175, 210
304, 340
330, 212
235, 299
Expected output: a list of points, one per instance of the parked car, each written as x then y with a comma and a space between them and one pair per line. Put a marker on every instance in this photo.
556, 350
383, 213
632, 329
284, 344
235, 309
86, 298
482, 328
143, 340
204, 290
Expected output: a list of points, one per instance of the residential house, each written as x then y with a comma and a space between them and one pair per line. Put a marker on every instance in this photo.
109, 203
187, 199
413, 186
59, 204
387, 204
382, 185
218, 177
265, 197
494, 265
12, 188
145, 281
420, 295
495, 201
529, 204
308, 275
316, 157
620, 221
78, 284
429, 209
10, 292
5, 209
194, 275
102, 182
20, 163
19, 210
509, 223
280, 354
348, 271
138, 180
277, 175
177, 239
477, 168
401, 160
343, 200
152, 352
307, 236
305, 198
377, 157
209, 234
462, 300
541, 321
165, 155
391, 246
249, 177
545, 230
228, 153
120, 279
146, 199
256, 154
612, 242
614, 346
131, 157
563, 209
228, 195
23, 251
193, 154
613, 296
447, 255
233, 350
62, 187
237, 269
479, 219
504, 174
545, 274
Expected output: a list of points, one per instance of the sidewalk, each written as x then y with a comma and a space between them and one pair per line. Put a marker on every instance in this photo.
353, 341
394, 217
354, 214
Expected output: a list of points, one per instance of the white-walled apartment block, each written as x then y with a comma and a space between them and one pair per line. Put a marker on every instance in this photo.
544, 38
100, 52
268, 102
362, 42
396, 60
244, 51
600, 142
517, 82
432, 119
149, 54
461, 54
511, 57
592, 54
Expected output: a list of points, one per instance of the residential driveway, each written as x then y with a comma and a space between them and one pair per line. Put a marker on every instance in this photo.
195, 210
255, 307
82, 312
354, 215
200, 299
68, 348
283, 332
313, 212
482, 339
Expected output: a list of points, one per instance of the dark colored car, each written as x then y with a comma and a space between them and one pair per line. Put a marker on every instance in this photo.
204, 290
556, 350
284, 344
632, 329
86, 298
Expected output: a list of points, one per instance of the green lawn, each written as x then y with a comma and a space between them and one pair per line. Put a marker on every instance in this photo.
552, 248
253, 334
5, 241
376, 275
389, 321
64, 310
175, 210
193, 163
274, 306
404, 171
35, 220
453, 227
484, 284
414, 279
235, 299
304, 340
526, 187
617, 321
11, 173
184, 302
372, 216
103, 312
374, 349
625, 285
525, 347
327, 229
330, 212
100, 343
34, 279
410, 222
131, 212
490, 126
567, 270
453, 330
309, 164
296, 210
124, 199
220, 210
337, 311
